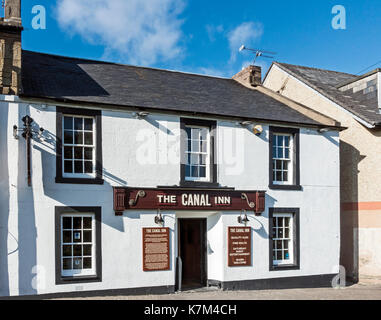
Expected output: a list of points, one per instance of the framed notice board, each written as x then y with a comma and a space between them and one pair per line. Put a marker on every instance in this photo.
239, 246
156, 254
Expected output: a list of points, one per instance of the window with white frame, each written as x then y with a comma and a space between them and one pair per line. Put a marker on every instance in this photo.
282, 145
197, 167
77, 245
282, 239
78, 146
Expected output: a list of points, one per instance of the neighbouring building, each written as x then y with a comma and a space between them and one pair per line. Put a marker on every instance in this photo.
355, 101
116, 177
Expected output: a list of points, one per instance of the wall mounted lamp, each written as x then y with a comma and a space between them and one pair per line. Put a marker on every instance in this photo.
140, 115
159, 219
243, 219
322, 130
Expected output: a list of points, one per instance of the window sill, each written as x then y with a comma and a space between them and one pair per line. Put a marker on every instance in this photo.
79, 180
79, 279
285, 187
284, 267
199, 184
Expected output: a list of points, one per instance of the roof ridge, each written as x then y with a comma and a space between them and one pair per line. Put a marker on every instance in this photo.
126, 65
312, 68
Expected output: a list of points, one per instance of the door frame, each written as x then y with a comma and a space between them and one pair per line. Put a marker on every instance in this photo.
203, 249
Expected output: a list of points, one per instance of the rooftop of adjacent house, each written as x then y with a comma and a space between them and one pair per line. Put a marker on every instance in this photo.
357, 94
73, 80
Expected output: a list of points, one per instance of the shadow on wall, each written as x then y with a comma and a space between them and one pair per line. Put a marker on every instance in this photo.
349, 216
27, 232
4, 202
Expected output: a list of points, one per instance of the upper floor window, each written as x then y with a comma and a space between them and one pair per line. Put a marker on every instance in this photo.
198, 152
197, 167
79, 146
284, 159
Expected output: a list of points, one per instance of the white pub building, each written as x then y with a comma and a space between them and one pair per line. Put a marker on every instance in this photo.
124, 179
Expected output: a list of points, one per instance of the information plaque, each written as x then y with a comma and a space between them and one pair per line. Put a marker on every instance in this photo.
155, 249
239, 246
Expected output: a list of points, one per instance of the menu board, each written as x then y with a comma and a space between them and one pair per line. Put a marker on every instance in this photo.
239, 246
155, 249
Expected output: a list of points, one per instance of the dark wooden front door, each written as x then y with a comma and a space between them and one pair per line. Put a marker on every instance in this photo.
193, 252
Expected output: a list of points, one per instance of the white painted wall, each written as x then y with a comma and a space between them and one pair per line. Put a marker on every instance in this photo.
27, 213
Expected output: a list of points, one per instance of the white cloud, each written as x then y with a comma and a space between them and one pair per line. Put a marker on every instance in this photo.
213, 30
246, 33
134, 31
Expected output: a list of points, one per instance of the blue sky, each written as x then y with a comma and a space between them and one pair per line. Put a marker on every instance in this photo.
204, 36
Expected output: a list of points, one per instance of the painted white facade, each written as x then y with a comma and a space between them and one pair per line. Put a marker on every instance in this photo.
27, 220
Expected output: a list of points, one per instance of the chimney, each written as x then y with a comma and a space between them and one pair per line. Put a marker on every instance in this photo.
10, 48
251, 76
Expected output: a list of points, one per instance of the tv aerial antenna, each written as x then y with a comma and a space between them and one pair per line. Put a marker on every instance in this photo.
258, 53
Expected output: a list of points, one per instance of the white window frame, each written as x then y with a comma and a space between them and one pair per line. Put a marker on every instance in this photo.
79, 272
290, 170
208, 155
94, 146
290, 239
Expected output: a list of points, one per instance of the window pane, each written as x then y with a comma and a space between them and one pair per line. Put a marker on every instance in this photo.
67, 251
286, 255
287, 222
194, 158
194, 171
68, 152
68, 166
88, 138
278, 164
203, 146
78, 153
195, 134
285, 176
77, 223
280, 153
279, 255
87, 250
87, 223
278, 176
86, 263
78, 167
280, 233
280, 141
287, 141
187, 171
195, 146
285, 244
88, 124
88, 153
203, 133
274, 244
78, 124
202, 171
66, 264
274, 153
66, 222
66, 237
68, 123
189, 147
203, 159
279, 244
68, 137
77, 250
78, 137
286, 232
287, 153
88, 167
77, 263
77, 236
86, 236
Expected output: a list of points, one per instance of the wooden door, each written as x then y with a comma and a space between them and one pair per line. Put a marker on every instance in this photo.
192, 252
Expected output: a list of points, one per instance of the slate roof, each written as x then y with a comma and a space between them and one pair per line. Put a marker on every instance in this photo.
85, 81
326, 82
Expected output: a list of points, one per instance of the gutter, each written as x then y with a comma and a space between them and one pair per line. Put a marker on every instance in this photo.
94, 105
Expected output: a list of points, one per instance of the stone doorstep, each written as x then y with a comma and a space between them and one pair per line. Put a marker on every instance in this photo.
368, 280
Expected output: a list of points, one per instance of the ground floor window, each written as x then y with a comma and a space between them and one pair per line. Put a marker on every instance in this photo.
78, 243
284, 238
